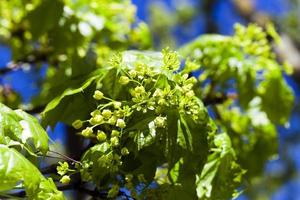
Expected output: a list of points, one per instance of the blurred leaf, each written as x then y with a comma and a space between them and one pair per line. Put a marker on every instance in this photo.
47, 190
277, 97
45, 17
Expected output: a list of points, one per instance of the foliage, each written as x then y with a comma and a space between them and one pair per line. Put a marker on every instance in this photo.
290, 22
149, 125
20, 131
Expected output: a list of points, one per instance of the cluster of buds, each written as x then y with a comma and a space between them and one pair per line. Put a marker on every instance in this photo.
112, 114
63, 170
151, 91
171, 60
175, 92
160, 122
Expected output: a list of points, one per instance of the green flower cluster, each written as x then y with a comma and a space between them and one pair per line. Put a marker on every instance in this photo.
148, 92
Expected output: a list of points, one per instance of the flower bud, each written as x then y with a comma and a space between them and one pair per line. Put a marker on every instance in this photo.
101, 136
97, 119
190, 93
119, 114
162, 102
112, 120
132, 73
117, 104
115, 133
158, 93
185, 76
87, 132
65, 179
124, 151
114, 141
192, 80
139, 89
131, 134
160, 122
121, 123
77, 124
128, 177
95, 112
106, 113
124, 80
98, 95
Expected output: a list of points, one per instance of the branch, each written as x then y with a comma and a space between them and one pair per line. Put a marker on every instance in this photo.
34, 110
76, 186
65, 157
219, 98
36, 56
22, 193
246, 9
9, 68
207, 8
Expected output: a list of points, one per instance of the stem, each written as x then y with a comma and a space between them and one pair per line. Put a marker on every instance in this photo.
11, 66
8, 196
66, 157
218, 98
207, 8
76, 186
105, 105
34, 110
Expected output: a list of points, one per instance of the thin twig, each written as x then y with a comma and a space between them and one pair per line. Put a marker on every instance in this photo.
66, 157
9, 68
219, 98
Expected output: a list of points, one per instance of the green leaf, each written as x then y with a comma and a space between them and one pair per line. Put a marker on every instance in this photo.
277, 97
33, 130
15, 169
83, 65
72, 103
246, 85
177, 193
195, 135
144, 162
44, 17
61, 39
47, 190
172, 150
10, 129
185, 163
111, 85
21, 127
100, 156
182, 138
221, 174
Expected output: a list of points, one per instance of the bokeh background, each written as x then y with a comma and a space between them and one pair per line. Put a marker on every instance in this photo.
175, 22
